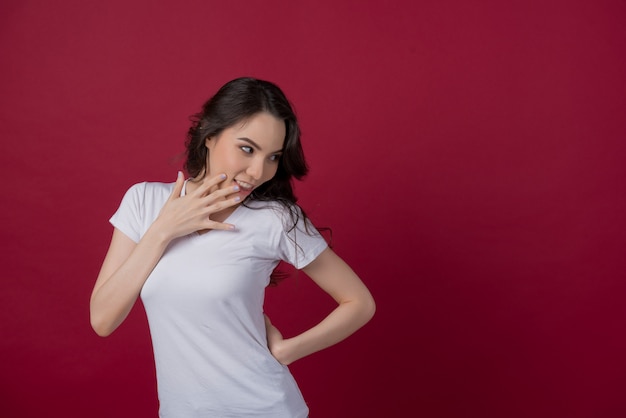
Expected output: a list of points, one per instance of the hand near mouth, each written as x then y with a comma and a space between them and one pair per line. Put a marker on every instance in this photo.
245, 186
200, 210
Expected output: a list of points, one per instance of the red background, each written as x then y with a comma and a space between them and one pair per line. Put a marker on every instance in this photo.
467, 155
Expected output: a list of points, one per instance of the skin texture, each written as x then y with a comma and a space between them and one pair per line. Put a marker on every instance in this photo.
248, 153
240, 158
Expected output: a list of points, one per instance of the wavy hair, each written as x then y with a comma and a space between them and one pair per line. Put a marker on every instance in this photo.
234, 102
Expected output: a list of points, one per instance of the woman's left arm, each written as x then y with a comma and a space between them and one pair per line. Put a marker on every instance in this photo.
355, 307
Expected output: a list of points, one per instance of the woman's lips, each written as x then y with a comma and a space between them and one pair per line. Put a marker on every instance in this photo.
244, 187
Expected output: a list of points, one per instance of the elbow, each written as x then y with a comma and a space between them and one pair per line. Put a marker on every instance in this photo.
100, 330
369, 308
102, 321
100, 327
364, 309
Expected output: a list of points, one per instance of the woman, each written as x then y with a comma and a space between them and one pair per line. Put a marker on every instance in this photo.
201, 251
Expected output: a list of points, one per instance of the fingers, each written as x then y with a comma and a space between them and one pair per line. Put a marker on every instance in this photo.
178, 186
221, 226
206, 200
209, 188
223, 198
218, 207
208, 184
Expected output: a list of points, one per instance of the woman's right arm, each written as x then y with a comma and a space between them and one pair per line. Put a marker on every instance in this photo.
127, 264
124, 271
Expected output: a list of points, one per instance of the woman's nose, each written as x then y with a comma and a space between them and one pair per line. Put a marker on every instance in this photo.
255, 170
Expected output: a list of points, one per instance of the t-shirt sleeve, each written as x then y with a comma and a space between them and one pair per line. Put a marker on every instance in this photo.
128, 217
299, 246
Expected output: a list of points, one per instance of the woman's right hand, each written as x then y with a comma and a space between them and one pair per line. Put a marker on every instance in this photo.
127, 264
182, 215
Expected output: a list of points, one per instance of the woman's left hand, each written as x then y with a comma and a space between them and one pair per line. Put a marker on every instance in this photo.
276, 342
355, 307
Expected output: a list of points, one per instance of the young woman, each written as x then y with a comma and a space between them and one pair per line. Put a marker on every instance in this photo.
201, 252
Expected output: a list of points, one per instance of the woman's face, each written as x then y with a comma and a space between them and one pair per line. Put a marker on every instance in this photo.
248, 152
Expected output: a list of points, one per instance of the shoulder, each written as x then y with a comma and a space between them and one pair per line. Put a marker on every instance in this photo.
276, 210
145, 195
289, 217
152, 187
147, 189
139, 207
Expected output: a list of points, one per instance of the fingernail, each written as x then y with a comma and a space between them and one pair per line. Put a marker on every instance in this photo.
223, 176
236, 188
180, 174
237, 199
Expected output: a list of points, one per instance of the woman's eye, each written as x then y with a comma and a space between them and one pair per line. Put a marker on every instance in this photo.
246, 149
275, 157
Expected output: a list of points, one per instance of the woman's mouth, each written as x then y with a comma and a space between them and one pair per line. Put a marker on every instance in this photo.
245, 187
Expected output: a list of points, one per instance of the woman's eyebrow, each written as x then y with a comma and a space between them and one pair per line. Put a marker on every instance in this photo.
255, 145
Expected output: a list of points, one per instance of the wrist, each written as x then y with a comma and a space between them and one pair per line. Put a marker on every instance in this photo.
157, 235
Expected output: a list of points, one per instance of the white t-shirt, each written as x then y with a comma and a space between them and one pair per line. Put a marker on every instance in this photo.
204, 302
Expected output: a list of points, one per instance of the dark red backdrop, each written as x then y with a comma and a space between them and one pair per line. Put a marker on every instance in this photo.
467, 155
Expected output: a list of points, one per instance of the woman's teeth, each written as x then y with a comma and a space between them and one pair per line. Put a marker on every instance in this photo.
244, 185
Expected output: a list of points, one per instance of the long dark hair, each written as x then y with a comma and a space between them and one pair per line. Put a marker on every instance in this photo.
234, 102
